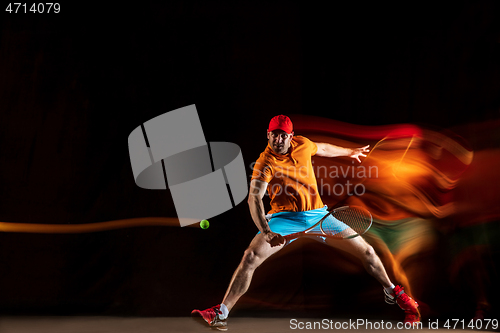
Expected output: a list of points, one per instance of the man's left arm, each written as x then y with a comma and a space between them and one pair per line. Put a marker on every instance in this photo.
329, 150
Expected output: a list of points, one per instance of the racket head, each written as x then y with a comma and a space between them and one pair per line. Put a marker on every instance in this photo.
346, 222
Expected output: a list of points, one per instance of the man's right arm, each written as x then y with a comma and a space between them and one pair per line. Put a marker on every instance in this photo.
257, 191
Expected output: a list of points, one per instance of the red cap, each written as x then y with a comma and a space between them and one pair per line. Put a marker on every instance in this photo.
281, 122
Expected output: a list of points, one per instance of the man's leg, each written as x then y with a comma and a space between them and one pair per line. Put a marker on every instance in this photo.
372, 263
256, 253
361, 249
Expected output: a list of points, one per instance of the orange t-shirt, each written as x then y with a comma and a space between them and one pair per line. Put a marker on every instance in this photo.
292, 183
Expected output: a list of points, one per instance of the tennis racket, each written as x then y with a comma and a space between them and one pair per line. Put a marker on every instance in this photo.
357, 219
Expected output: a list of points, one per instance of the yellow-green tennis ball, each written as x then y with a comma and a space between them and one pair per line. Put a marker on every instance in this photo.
204, 224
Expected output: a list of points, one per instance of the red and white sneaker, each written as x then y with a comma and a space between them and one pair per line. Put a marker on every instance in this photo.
213, 317
405, 302
412, 317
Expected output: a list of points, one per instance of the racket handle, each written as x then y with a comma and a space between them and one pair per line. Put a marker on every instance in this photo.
293, 236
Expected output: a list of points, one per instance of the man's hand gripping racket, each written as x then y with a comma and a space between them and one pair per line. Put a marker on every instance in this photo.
354, 221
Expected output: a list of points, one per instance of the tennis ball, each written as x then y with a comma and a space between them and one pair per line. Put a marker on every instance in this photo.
204, 224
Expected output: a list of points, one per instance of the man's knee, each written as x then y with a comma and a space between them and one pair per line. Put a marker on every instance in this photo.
369, 253
250, 258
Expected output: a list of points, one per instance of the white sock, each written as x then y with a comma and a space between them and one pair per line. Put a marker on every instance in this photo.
390, 289
225, 311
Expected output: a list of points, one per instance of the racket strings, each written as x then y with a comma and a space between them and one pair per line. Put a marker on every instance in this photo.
356, 219
334, 231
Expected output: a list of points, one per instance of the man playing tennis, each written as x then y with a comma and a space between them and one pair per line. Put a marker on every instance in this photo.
285, 170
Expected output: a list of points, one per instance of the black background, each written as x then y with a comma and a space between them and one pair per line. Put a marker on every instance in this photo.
74, 85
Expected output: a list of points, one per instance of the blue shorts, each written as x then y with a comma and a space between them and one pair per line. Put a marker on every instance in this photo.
285, 223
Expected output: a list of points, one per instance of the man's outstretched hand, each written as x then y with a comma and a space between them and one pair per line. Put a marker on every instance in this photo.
359, 152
